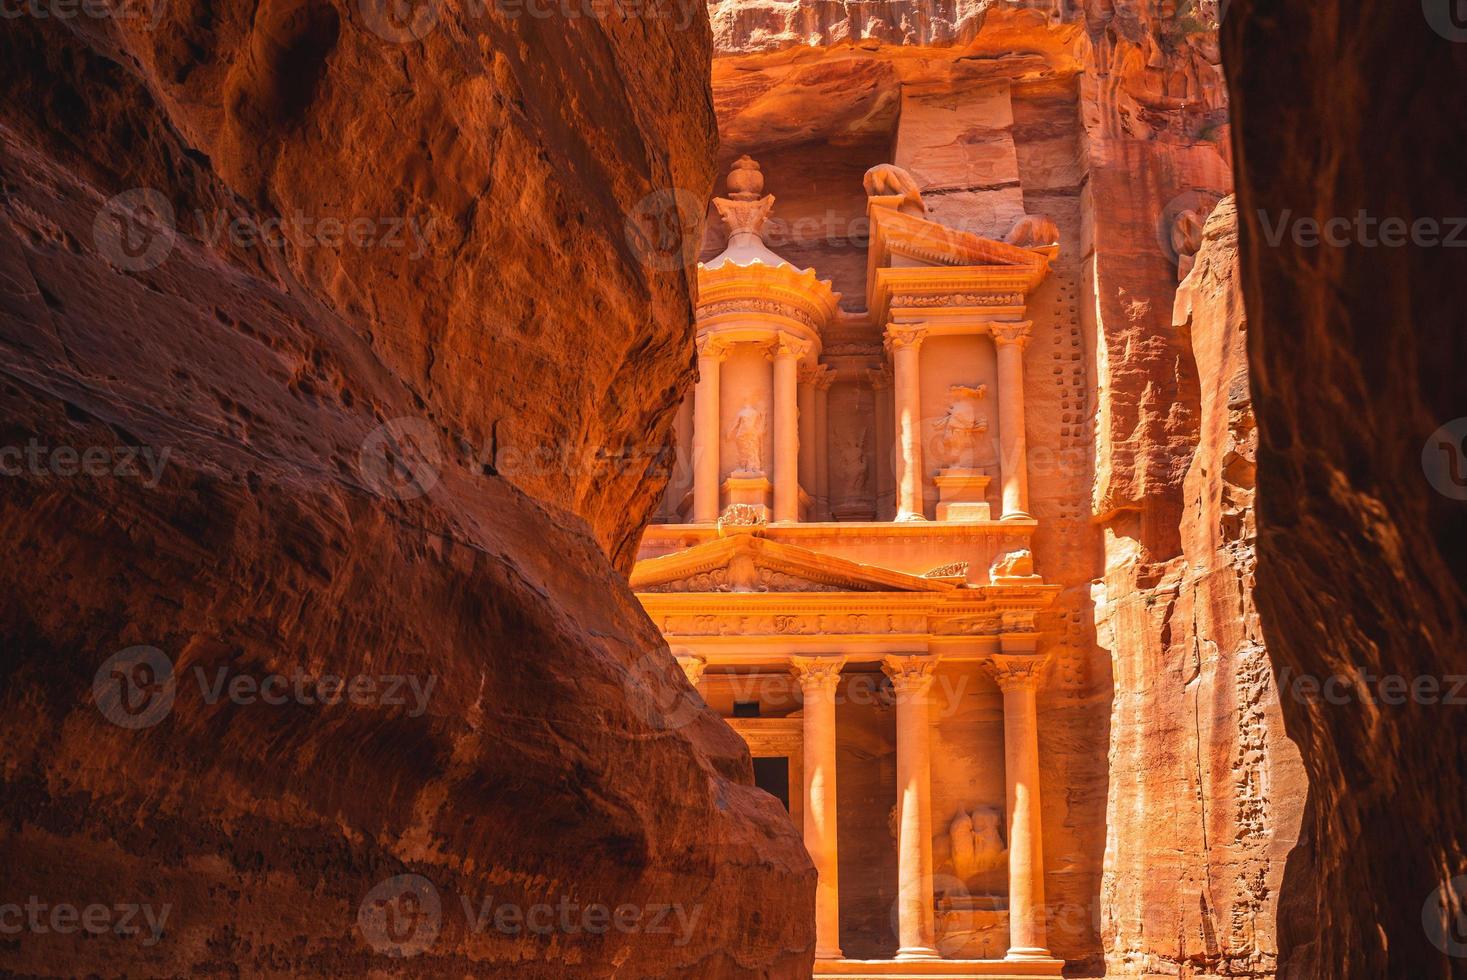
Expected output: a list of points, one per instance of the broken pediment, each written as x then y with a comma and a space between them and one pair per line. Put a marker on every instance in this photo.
750, 563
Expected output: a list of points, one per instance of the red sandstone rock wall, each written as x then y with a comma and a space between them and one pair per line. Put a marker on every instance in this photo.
551, 752
1352, 112
1166, 849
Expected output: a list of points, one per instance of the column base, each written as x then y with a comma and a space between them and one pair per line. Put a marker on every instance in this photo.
918, 953
1028, 953
1016, 515
829, 954
908, 515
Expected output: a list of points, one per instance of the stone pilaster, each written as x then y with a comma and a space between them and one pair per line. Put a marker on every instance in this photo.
1018, 678
911, 681
819, 677
706, 439
824, 377
787, 352
905, 344
1011, 339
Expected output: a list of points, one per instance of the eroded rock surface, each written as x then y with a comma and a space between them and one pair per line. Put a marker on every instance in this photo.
1357, 347
348, 486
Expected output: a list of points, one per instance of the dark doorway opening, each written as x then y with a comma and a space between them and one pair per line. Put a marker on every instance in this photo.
772, 775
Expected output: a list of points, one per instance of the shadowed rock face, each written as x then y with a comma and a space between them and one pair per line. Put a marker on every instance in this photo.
1357, 351
404, 459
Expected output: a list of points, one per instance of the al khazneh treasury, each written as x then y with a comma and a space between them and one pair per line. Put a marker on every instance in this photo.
844, 565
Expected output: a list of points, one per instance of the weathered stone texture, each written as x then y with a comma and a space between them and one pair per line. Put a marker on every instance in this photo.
556, 756
1352, 112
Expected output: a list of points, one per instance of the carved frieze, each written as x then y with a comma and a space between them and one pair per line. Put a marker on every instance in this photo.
755, 305
926, 300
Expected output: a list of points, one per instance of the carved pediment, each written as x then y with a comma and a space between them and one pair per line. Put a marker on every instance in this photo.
750, 563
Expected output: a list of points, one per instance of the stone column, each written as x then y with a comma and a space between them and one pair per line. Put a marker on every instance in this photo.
788, 351
881, 408
823, 378
818, 678
806, 400
693, 667
911, 679
1017, 677
1011, 339
682, 475
904, 343
706, 437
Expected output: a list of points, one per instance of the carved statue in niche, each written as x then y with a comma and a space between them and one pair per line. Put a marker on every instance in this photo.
747, 434
977, 844
961, 438
853, 465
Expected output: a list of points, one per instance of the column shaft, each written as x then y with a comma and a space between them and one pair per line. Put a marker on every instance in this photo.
905, 344
916, 919
1011, 340
706, 433
822, 443
882, 408
806, 400
819, 677
787, 354
1017, 677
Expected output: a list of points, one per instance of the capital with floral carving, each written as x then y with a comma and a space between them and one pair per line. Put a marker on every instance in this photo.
1012, 333
817, 674
881, 379
824, 377
1017, 671
788, 345
898, 338
911, 674
711, 345
693, 667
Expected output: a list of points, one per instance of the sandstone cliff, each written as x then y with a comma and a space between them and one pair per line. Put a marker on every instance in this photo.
1172, 795
404, 454
1351, 114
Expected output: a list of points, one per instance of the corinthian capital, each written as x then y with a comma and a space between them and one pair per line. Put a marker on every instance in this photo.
911, 674
711, 345
824, 377
788, 345
817, 673
1012, 333
900, 337
1016, 671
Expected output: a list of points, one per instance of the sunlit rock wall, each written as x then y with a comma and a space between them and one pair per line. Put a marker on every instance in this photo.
394, 450
1171, 793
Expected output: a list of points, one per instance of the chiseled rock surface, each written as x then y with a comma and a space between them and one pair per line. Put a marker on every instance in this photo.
556, 755
1357, 350
1201, 768
1166, 847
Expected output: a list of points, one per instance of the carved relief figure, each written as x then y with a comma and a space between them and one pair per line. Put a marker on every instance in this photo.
853, 465
747, 434
886, 180
960, 437
977, 845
